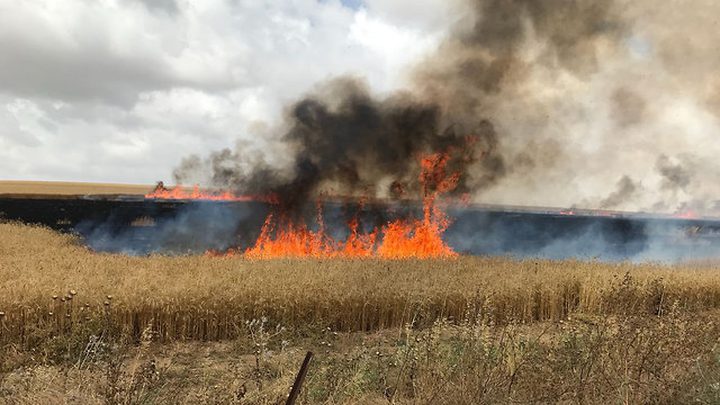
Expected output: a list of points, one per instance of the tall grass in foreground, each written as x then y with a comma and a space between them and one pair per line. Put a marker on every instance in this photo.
51, 286
585, 360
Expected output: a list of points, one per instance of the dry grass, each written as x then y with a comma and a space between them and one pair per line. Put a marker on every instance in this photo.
205, 298
82, 327
69, 188
624, 360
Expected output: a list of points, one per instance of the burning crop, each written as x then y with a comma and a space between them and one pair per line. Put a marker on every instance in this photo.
180, 193
417, 238
282, 236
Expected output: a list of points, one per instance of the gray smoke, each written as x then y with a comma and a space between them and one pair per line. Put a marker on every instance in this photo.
344, 139
675, 176
558, 98
626, 187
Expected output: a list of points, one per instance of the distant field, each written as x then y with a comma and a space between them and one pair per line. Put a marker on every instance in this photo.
70, 188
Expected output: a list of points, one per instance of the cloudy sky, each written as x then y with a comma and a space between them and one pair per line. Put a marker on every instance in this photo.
121, 90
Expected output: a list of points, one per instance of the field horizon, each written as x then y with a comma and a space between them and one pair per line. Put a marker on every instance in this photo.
69, 188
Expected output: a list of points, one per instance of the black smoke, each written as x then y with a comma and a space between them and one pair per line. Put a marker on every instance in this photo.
345, 140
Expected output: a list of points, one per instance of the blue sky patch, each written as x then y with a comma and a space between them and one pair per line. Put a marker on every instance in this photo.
353, 4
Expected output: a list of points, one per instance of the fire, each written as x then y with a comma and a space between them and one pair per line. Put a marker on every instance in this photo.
180, 193
423, 238
420, 238
359, 245
292, 240
687, 214
281, 237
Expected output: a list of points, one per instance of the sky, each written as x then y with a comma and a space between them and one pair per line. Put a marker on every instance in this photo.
122, 90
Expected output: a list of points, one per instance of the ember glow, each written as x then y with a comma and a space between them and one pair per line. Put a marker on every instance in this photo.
281, 237
688, 214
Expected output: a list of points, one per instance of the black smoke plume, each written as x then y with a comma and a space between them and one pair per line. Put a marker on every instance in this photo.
343, 139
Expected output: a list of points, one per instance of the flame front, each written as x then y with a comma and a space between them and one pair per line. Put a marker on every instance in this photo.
419, 238
280, 237
180, 193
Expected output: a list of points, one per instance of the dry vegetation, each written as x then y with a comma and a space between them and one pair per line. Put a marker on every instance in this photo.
56, 188
100, 328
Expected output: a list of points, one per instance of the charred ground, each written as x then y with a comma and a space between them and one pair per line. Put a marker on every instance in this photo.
140, 226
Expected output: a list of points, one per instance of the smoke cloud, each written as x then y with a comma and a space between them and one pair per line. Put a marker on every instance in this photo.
546, 102
626, 187
675, 177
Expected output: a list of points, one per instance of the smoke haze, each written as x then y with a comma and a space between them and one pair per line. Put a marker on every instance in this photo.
544, 103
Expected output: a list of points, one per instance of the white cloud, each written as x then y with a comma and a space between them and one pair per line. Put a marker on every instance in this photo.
120, 91
393, 46
424, 15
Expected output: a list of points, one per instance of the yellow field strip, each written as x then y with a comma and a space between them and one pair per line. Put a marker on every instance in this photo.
70, 188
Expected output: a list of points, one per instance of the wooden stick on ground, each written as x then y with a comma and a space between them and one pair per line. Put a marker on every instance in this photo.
299, 380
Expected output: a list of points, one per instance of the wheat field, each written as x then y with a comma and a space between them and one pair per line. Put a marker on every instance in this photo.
78, 326
60, 188
51, 282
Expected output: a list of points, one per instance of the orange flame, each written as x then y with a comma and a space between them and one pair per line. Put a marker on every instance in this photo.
280, 237
180, 193
398, 240
359, 245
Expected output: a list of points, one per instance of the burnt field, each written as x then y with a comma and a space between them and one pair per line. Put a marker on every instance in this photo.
136, 225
